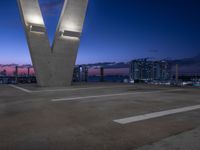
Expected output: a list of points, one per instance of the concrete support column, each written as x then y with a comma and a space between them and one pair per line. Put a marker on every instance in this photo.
54, 65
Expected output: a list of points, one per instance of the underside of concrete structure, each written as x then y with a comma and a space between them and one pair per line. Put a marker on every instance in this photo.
53, 65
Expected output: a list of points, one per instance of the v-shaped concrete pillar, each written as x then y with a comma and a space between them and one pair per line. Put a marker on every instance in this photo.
53, 65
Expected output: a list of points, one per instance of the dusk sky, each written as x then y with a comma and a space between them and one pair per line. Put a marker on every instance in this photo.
114, 30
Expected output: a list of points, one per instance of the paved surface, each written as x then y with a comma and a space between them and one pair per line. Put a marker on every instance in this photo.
84, 119
185, 141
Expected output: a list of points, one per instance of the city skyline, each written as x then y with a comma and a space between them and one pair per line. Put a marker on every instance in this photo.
114, 31
187, 66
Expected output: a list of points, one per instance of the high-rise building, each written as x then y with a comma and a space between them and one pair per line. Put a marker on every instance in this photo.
144, 69
80, 74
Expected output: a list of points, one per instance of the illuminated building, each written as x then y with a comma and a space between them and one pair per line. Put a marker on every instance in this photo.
143, 69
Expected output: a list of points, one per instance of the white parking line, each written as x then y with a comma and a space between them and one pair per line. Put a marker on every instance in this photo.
109, 95
74, 89
66, 89
88, 97
156, 114
20, 88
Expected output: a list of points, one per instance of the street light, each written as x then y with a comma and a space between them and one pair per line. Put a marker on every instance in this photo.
37, 28
70, 34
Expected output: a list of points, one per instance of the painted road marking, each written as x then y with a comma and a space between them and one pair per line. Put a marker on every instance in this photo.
74, 89
156, 114
109, 95
66, 89
20, 88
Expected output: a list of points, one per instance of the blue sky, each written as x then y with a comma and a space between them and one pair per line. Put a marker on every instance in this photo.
114, 30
